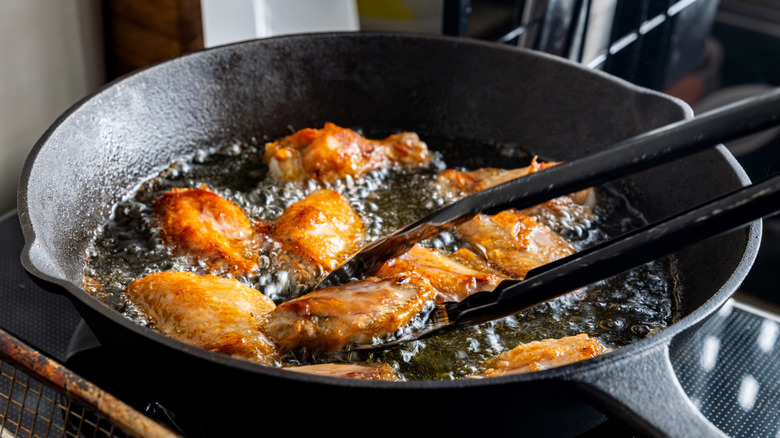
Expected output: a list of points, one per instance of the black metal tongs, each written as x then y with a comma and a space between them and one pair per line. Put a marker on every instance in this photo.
610, 258
605, 260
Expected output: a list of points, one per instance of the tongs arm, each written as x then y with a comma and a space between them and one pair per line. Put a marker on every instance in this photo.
624, 158
600, 262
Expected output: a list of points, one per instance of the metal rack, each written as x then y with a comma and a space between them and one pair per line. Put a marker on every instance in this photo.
41, 398
652, 43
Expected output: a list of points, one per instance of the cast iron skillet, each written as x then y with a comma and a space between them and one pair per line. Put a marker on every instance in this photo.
437, 86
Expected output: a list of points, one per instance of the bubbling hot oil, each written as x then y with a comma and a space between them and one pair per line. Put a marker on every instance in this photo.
620, 310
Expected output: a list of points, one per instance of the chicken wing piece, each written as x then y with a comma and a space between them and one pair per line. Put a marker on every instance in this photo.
333, 152
514, 242
200, 223
318, 232
380, 371
544, 354
357, 312
209, 312
454, 276
456, 183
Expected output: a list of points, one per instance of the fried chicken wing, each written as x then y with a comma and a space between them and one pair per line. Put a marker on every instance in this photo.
464, 183
318, 232
381, 371
544, 354
200, 223
207, 311
334, 152
454, 276
456, 183
357, 312
514, 242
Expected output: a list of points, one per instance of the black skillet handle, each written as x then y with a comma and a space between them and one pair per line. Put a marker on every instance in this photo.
642, 390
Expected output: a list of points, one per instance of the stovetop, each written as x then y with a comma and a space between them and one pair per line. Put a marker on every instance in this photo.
730, 369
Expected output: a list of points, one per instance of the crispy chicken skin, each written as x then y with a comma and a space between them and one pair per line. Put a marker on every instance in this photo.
465, 183
458, 183
207, 311
514, 242
381, 371
357, 312
334, 152
200, 223
454, 276
544, 354
318, 232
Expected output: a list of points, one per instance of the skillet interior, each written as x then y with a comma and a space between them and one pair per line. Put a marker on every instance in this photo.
143, 122
103, 146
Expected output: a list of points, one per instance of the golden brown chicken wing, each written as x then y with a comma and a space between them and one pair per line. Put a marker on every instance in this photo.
456, 183
202, 224
514, 242
318, 232
333, 152
209, 312
380, 371
454, 277
544, 354
357, 312
462, 183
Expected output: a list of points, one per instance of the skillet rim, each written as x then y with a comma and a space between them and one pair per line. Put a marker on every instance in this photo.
666, 336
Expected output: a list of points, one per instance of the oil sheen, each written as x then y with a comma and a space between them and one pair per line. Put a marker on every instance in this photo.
620, 310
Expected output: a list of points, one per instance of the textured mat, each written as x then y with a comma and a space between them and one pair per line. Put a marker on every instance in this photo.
37, 317
731, 371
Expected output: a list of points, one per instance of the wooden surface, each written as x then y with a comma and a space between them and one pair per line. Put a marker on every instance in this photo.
142, 32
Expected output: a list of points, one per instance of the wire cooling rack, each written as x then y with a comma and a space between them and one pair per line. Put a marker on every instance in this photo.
41, 398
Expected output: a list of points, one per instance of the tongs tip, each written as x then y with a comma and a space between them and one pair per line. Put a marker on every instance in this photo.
370, 258
367, 261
